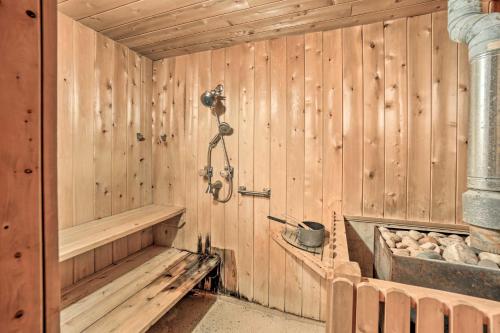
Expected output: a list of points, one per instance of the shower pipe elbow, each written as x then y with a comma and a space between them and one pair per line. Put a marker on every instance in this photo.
467, 24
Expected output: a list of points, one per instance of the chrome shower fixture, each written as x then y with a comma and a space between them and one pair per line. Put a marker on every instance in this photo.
210, 99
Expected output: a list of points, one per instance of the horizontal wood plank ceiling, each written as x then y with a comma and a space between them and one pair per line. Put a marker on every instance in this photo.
165, 28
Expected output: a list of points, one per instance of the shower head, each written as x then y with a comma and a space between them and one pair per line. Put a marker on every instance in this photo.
210, 97
225, 129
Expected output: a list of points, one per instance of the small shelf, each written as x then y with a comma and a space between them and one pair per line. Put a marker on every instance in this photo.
322, 264
84, 237
121, 299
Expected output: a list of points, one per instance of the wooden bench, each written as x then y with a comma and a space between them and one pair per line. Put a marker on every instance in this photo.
87, 236
133, 294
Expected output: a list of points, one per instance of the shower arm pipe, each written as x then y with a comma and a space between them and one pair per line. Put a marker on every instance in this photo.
224, 146
230, 191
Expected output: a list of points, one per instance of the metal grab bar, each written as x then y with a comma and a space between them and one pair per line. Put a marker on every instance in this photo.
266, 193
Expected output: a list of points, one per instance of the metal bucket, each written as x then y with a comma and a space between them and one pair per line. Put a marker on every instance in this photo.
313, 237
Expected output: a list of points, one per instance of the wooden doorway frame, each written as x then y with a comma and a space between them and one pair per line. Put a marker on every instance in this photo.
29, 268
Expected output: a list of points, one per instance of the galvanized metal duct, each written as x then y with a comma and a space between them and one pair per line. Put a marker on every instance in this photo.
481, 202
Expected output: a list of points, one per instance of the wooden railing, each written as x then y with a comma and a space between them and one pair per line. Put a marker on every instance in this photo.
365, 305
372, 304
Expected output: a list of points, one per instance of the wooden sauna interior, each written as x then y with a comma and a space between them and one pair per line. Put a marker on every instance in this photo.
340, 107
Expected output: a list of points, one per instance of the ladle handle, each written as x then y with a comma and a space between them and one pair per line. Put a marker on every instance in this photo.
280, 220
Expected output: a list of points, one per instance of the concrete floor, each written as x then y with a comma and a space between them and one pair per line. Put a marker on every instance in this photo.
202, 313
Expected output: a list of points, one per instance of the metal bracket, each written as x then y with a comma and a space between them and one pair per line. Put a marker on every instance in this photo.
266, 192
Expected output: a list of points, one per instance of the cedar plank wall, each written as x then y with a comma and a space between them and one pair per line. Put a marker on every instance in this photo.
367, 120
104, 92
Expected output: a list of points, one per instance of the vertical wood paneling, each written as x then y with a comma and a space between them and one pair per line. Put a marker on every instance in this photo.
103, 136
232, 90
100, 109
146, 129
419, 117
83, 137
332, 115
294, 163
65, 97
205, 120
134, 181
246, 170
396, 118
119, 142
217, 225
119, 202
278, 163
373, 126
261, 156
332, 137
168, 148
462, 126
191, 139
313, 159
176, 144
146, 146
337, 121
444, 122
352, 121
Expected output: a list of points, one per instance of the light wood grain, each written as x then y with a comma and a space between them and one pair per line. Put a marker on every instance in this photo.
430, 317
367, 309
246, 170
444, 122
462, 126
155, 24
277, 204
205, 122
419, 117
157, 298
86, 311
84, 237
397, 311
313, 159
103, 140
295, 162
191, 135
342, 293
65, 100
218, 222
261, 162
294, 126
396, 118
83, 137
373, 119
352, 121
232, 92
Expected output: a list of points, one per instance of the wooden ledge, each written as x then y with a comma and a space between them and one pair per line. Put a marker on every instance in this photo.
133, 300
84, 237
321, 264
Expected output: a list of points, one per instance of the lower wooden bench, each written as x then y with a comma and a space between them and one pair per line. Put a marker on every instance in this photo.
132, 300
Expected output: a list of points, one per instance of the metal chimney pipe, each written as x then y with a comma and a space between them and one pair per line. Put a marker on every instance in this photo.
481, 202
